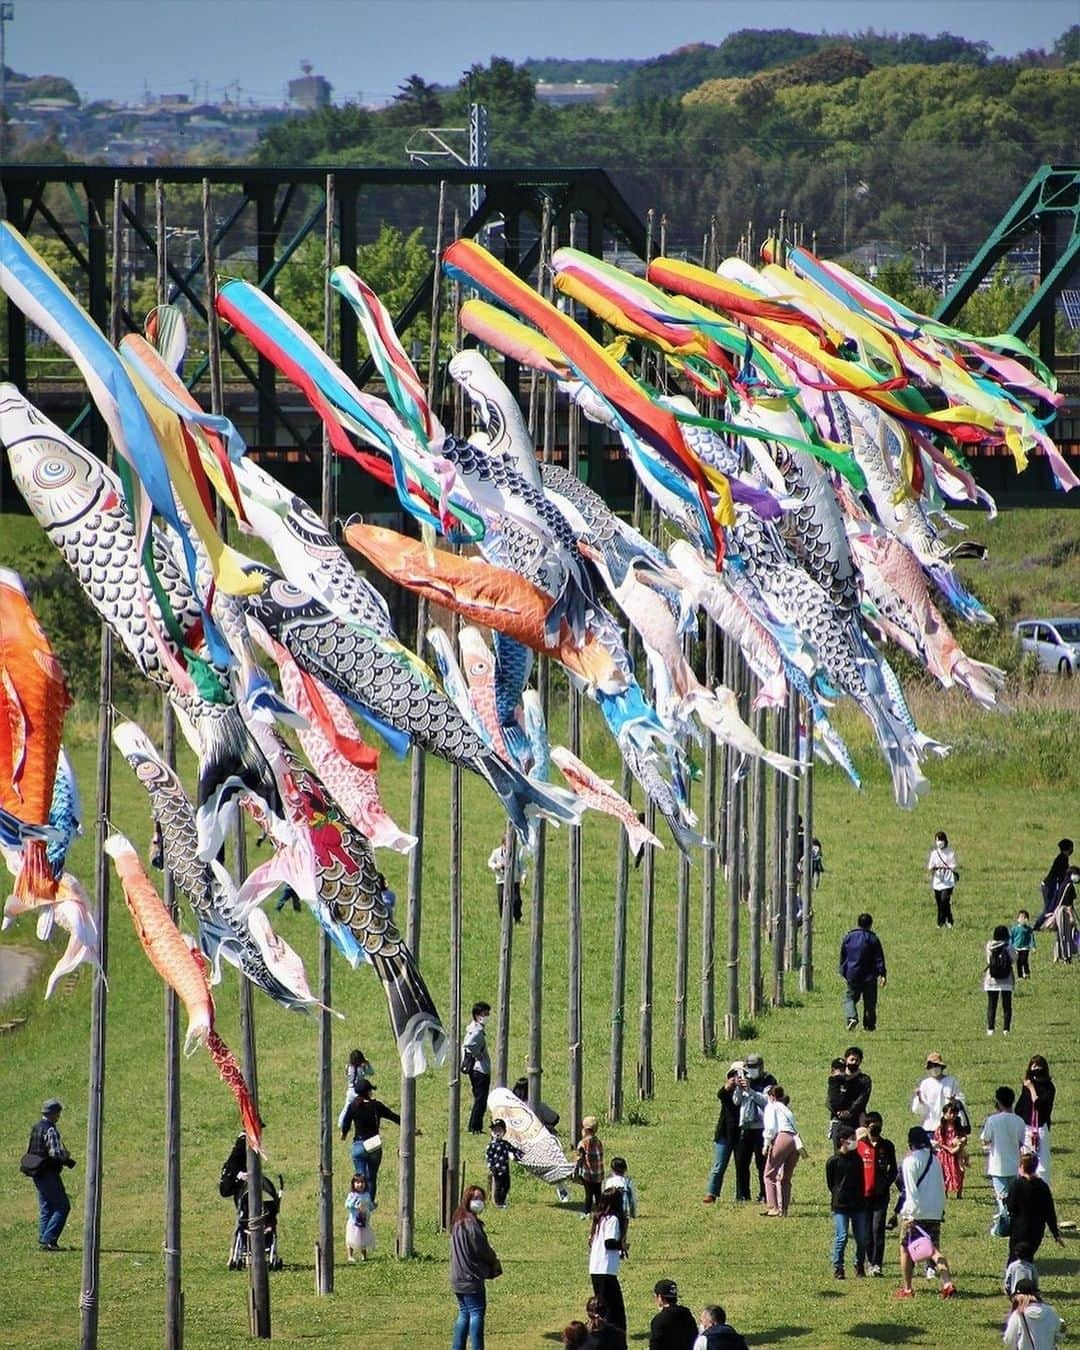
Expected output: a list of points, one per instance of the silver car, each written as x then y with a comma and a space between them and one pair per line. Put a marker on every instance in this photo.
1055, 643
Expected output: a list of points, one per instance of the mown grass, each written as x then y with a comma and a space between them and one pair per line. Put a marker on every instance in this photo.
1009, 790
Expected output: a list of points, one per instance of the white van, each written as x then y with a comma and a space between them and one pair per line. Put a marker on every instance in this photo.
1055, 643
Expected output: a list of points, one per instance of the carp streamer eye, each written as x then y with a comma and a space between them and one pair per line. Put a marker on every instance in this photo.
54, 472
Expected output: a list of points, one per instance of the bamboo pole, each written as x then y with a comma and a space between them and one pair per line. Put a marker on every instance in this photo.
258, 1275
574, 1021
95, 1111
806, 966
324, 1247
506, 954
174, 1293
708, 862
534, 1066
791, 829
756, 883
452, 1176
776, 898
417, 785
682, 945
733, 813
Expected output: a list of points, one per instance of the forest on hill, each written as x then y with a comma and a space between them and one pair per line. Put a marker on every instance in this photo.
920, 141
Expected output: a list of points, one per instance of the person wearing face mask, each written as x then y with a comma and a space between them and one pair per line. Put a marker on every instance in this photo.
848, 1092
847, 1196
476, 1063
933, 1091
472, 1263
922, 1209
750, 1097
862, 965
944, 874
880, 1170
1035, 1107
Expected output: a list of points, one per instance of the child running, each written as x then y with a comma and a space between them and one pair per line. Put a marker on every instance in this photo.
498, 1161
359, 1235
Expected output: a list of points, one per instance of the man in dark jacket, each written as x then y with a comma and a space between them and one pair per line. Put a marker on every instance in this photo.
716, 1332
862, 965
847, 1194
53, 1203
726, 1134
1031, 1209
848, 1091
673, 1327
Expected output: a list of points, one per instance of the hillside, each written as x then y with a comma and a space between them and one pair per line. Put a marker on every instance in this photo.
1009, 790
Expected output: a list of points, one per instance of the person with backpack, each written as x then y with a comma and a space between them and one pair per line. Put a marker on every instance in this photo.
999, 980
476, 1064
44, 1161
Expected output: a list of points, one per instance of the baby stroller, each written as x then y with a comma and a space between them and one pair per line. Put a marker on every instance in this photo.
233, 1184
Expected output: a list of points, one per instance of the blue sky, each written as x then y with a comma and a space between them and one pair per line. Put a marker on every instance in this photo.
117, 48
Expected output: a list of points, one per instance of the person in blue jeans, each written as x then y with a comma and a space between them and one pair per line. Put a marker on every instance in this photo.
726, 1134
472, 1263
862, 965
53, 1203
847, 1192
363, 1115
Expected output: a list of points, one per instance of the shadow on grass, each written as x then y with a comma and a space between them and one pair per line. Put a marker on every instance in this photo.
885, 1333
1058, 1266
775, 1334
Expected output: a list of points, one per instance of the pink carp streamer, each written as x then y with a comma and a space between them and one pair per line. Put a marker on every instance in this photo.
184, 970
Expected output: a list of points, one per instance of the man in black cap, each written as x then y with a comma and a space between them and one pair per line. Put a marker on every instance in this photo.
51, 1157
673, 1327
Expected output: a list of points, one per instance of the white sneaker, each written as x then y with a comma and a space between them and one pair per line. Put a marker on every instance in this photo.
875, 1270
1004, 1033
563, 1195
989, 1031
931, 1272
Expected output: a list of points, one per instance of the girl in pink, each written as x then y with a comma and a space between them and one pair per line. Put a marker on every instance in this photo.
950, 1144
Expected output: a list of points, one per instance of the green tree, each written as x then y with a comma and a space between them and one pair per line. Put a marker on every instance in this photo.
505, 89
416, 103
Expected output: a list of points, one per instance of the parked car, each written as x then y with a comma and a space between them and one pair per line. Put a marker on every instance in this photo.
1055, 643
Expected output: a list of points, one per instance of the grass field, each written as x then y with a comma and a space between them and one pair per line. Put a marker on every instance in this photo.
1008, 792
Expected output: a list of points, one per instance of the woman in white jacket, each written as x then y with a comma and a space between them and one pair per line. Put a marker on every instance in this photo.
1032, 1324
782, 1150
944, 872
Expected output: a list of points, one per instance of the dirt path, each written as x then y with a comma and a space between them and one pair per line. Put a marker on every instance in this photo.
17, 967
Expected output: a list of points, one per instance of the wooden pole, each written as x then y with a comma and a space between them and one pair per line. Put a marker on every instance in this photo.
452, 1176
734, 861
417, 786
776, 899
682, 945
174, 1293
258, 1275
791, 830
506, 954
806, 966
95, 1109
756, 882
574, 1021
708, 863
534, 1066
324, 1247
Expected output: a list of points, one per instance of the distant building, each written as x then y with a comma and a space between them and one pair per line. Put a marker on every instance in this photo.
568, 95
310, 92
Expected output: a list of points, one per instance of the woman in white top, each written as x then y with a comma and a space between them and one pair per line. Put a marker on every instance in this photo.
605, 1256
782, 1148
933, 1091
944, 873
999, 979
1032, 1324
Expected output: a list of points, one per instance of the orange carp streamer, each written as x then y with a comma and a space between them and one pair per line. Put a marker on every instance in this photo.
184, 969
33, 700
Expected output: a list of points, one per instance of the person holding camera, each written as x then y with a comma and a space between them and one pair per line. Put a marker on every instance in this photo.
726, 1135
751, 1087
44, 1161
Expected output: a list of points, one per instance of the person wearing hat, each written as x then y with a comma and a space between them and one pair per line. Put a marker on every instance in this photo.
47, 1148
726, 1134
751, 1088
364, 1113
589, 1168
673, 1327
933, 1091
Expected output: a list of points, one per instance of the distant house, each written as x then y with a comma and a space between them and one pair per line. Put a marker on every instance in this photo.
568, 95
310, 92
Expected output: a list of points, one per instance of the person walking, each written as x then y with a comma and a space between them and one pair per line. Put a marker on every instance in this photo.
673, 1327
1032, 1324
1022, 937
847, 1200
950, 1144
999, 980
476, 1064
359, 1234
750, 1088
1030, 1204
862, 966
1002, 1138
589, 1166
472, 1263
498, 1155
726, 1134
1064, 921
44, 1161
363, 1114
1035, 1107
606, 1250
944, 875
933, 1090
497, 864
921, 1212
848, 1093
782, 1150
880, 1170
1056, 880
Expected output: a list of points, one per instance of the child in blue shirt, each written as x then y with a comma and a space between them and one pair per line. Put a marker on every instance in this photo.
1022, 937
